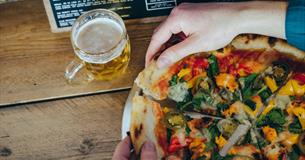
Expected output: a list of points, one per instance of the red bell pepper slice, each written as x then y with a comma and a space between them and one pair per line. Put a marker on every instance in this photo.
300, 77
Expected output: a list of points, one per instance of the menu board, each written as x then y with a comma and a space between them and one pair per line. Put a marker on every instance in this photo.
62, 13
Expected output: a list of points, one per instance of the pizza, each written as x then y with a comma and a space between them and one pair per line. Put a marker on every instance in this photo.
244, 101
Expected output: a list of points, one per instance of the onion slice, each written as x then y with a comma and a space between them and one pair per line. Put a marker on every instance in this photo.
240, 131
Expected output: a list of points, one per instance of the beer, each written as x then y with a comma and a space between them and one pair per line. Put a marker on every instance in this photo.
98, 36
101, 44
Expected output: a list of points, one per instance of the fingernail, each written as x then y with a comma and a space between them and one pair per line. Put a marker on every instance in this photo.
162, 62
148, 145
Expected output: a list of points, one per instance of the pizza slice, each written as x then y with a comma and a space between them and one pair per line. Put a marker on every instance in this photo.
179, 136
245, 49
210, 82
147, 124
281, 128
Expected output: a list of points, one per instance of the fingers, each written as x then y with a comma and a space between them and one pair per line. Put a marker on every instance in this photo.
122, 151
161, 35
178, 51
148, 151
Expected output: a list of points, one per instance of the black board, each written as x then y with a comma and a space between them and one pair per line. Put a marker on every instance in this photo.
62, 13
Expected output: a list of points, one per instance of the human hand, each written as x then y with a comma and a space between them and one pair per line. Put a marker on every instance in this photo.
122, 151
210, 26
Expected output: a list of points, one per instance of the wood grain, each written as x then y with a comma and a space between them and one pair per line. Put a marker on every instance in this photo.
77, 128
33, 59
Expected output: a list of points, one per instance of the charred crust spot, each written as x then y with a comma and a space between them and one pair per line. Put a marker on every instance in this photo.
138, 130
254, 36
247, 41
220, 50
145, 110
141, 93
271, 41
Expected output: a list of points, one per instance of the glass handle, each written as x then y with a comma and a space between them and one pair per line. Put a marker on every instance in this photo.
73, 68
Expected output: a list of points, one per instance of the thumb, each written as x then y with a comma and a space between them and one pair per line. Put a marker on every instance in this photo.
178, 51
148, 151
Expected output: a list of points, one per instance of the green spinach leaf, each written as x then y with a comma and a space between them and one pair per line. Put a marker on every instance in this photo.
275, 119
295, 153
173, 81
250, 103
265, 93
187, 130
295, 126
213, 69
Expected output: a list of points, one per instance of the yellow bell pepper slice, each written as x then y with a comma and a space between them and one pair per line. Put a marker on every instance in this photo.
184, 72
226, 81
191, 82
300, 113
270, 82
270, 106
298, 89
287, 89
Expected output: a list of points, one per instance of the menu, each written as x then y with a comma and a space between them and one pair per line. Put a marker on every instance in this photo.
62, 13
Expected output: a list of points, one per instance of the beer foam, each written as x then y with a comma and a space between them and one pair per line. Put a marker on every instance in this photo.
98, 35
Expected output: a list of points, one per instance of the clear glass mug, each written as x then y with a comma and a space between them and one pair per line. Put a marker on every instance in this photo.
101, 45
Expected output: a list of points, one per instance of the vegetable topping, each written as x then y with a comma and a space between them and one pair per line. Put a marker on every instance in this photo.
174, 120
270, 133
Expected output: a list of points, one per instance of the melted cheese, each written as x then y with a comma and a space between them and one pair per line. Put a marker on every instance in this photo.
220, 141
165, 110
226, 81
197, 147
270, 133
288, 139
244, 150
272, 152
231, 110
178, 92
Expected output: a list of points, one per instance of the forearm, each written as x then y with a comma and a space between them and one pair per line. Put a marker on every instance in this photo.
266, 18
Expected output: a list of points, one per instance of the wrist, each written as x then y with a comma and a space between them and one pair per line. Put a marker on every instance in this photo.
266, 18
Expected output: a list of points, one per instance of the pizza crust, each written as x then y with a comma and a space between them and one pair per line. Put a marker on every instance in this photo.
259, 42
147, 124
154, 81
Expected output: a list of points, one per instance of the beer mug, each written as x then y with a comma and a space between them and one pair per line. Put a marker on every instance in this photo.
101, 46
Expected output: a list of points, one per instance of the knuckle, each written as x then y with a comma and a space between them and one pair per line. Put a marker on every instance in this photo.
176, 11
184, 4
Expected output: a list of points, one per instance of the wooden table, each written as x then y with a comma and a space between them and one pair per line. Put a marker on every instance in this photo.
43, 117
